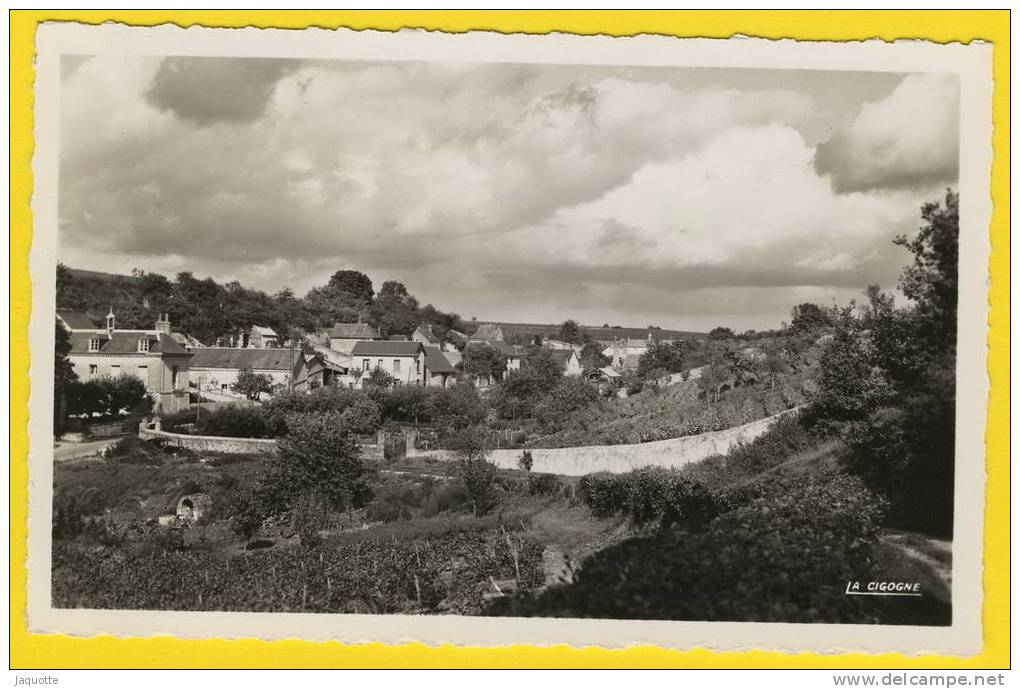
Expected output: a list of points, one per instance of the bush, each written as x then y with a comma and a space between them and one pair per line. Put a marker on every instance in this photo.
544, 484
362, 413
783, 557
317, 457
526, 461
477, 474
648, 495
234, 421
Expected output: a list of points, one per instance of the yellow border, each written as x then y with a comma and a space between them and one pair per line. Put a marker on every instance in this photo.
53, 650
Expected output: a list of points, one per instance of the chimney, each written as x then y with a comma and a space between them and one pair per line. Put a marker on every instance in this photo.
163, 323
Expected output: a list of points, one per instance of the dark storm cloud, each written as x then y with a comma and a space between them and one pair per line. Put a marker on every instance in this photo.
207, 90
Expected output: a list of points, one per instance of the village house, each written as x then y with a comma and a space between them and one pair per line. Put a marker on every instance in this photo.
343, 336
215, 369
320, 367
151, 355
426, 334
568, 359
625, 353
440, 373
405, 361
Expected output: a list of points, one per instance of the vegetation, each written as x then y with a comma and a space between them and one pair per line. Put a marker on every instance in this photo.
252, 385
107, 396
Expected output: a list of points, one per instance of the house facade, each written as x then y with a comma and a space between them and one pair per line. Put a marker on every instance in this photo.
405, 361
321, 367
215, 369
151, 355
625, 353
343, 336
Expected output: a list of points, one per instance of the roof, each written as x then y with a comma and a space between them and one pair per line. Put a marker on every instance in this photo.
385, 348
609, 372
333, 358
275, 359
563, 355
126, 342
264, 330
353, 331
488, 331
426, 330
398, 338
435, 362
76, 320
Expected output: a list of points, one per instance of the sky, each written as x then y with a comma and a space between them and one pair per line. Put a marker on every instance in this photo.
684, 198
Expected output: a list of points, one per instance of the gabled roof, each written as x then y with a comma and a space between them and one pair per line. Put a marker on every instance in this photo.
333, 358
232, 358
385, 348
353, 331
264, 330
436, 362
76, 320
426, 331
563, 355
126, 342
609, 372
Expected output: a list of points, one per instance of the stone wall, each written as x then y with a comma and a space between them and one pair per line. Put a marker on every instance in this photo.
619, 459
214, 443
211, 443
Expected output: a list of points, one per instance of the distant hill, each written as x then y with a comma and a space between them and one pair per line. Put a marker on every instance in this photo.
552, 330
94, 292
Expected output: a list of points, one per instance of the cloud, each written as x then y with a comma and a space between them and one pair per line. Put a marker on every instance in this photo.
467, 182
207, 90
908, 140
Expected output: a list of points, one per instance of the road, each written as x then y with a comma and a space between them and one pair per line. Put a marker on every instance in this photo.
64, 450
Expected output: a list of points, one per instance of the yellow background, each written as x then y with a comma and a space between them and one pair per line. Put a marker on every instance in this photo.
57, 651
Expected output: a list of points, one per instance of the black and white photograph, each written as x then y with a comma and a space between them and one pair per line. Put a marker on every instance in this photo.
449, 338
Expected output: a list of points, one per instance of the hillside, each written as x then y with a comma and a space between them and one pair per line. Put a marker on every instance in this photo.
552, 330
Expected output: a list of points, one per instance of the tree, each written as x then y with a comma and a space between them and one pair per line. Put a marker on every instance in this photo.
483, 361
456, 408
477, 474
721, 333
127, 393
891, 391
667, 357
377, 380
931, 281
569, 395
351, 286
251, 384
317, 458
63, 375
570, 332
808, 318
772, 361
394, 311
592, 357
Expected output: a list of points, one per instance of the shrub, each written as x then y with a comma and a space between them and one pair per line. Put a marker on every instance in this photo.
394, 500
603, 493
317, 457
234, 421
783, 557
526, 461
246, 513
544, 484
476, 473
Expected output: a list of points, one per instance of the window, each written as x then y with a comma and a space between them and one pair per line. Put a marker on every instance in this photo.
379, 364
143, 346
115, 370
143, 373
173, 378
396, 367
364, 364
417, 366
93, 370
93, 344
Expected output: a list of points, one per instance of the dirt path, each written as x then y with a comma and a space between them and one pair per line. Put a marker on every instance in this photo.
64, 450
